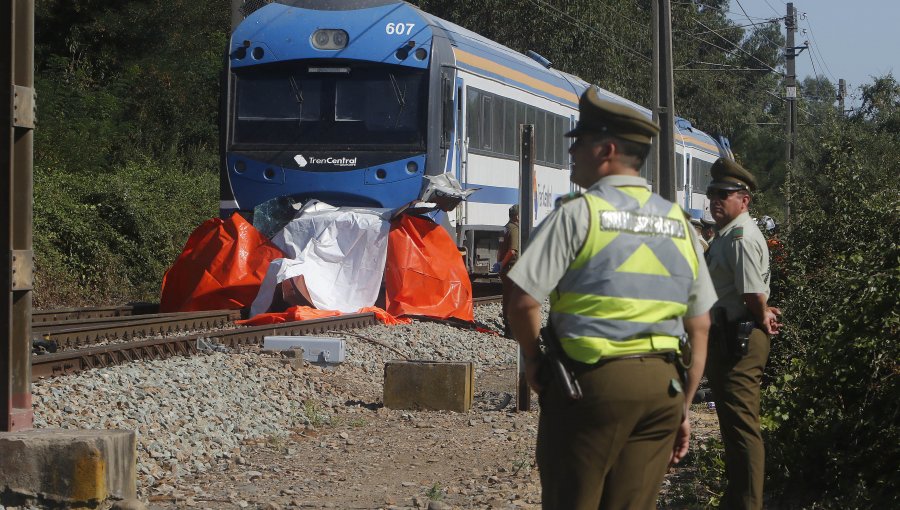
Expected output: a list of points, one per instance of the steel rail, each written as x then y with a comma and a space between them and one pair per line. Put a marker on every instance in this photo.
74, 334
68, 362
61, 314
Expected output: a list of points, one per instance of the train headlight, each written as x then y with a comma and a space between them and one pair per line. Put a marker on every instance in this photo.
329, 39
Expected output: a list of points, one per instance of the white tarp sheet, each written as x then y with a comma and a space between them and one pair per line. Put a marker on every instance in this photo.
339, 251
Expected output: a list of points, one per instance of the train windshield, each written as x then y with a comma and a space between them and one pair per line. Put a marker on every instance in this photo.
331, 105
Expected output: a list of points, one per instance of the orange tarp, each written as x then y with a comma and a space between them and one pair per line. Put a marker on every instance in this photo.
221, 267
424, 273
303, 313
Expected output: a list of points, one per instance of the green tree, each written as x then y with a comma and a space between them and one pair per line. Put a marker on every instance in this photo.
832, 419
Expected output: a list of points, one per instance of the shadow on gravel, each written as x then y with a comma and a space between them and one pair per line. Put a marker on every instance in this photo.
371, 406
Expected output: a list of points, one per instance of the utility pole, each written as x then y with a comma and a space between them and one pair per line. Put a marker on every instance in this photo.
663, 100
790, 83
842, 94
17, 189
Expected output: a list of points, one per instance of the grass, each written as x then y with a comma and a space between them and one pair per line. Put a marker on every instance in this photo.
314, 413
435, 493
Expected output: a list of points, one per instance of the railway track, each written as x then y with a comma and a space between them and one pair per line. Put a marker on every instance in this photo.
79, 334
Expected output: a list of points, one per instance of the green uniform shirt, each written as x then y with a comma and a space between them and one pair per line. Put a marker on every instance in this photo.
738, 261
556, 242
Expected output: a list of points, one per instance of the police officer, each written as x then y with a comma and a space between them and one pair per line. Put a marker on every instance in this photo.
739, 266
508, 255
621, 267
698, 228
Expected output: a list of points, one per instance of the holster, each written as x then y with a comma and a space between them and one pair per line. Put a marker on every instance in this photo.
554, 364
732, 337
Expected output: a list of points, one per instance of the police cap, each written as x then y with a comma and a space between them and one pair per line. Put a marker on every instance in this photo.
707, 219
730, 176
598, 115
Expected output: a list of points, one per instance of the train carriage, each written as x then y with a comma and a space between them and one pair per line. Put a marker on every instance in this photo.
355, 102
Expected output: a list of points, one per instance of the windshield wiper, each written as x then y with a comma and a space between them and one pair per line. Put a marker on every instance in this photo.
298, 94
401, 97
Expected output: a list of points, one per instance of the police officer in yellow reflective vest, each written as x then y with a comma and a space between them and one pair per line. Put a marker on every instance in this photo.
621, 267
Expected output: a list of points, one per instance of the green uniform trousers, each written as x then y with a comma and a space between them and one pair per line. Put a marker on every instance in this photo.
736, 387
611, 449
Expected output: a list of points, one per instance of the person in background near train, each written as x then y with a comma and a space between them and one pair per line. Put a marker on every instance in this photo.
739, 339
709, 226
508, 255
698, 228
625, 281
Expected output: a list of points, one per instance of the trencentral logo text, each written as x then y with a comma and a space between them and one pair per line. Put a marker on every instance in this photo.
332, 161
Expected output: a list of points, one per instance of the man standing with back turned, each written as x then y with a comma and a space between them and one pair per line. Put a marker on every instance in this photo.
508, 254
742, 322
625, 281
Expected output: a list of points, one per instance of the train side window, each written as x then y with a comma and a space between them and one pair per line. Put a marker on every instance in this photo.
447, 112
560, 154
486, 116
697, 170
703, 169
540, 135
509, 128
497, 133
679, 171
551, 138
473, 117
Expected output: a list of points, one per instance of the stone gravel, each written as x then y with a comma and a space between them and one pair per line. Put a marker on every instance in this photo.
193, 413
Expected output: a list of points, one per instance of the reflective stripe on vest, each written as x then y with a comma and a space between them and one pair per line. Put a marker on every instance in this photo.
628, 287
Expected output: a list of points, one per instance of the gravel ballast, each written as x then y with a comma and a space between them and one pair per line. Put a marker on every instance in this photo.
192, 413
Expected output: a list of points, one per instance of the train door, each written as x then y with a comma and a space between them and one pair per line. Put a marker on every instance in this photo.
688, 180
464, 237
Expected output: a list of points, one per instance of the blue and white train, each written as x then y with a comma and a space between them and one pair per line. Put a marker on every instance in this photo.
354, 102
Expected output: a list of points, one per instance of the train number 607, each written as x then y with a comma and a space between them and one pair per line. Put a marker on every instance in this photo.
399, 28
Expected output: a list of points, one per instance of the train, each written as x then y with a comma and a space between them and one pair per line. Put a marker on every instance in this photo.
356, 103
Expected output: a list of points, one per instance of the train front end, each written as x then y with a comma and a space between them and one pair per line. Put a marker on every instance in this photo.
327, 103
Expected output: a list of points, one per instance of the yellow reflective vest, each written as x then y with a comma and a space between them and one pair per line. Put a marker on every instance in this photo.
628, 287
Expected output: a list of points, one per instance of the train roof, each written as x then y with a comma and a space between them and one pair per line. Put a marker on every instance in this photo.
485, 56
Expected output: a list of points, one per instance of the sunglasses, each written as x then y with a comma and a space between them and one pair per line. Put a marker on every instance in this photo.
721, 194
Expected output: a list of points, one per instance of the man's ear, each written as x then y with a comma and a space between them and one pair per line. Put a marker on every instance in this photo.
608, 149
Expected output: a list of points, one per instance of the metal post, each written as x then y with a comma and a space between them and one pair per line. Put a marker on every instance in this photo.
664, 103
526, 220
16, 186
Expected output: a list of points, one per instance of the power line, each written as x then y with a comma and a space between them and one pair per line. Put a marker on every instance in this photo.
773, 9
742, 50
754, 24
711, 7
718, 66
545, 5
816, 46
735, 26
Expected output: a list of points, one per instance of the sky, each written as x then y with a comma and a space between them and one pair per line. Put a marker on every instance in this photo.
850, 39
